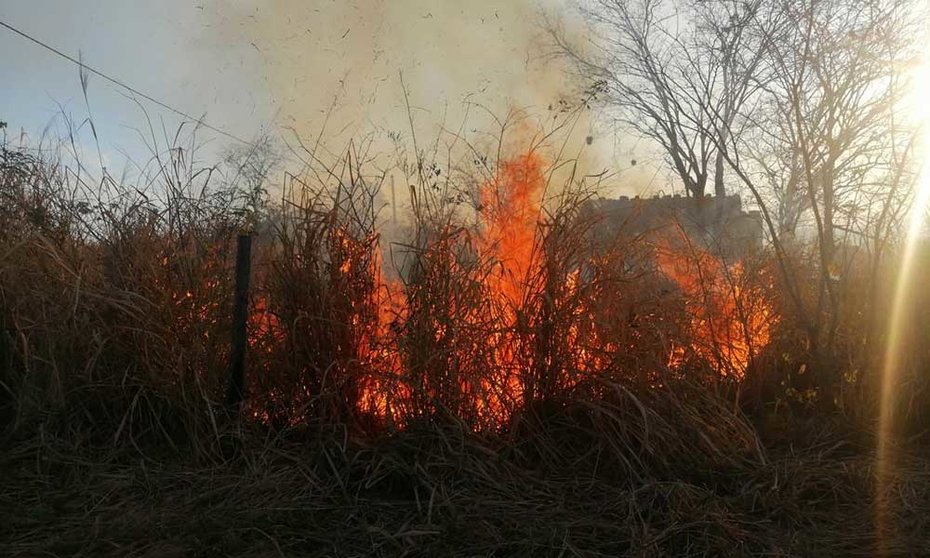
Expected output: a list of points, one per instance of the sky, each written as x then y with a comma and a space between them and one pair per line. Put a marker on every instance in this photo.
285, 67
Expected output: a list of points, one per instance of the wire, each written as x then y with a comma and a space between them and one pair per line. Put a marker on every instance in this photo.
121, 84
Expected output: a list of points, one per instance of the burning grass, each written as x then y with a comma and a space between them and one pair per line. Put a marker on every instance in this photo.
495, 380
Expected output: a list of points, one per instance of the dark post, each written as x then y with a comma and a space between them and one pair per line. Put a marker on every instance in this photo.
240, 318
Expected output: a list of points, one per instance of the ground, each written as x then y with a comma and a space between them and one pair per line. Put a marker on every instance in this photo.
444, 493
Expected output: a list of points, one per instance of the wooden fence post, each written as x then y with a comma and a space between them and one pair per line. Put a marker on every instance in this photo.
239, 322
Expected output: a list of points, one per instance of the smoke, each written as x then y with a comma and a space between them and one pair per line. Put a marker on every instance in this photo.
347, 69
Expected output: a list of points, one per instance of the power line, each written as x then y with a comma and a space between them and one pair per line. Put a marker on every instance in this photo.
121, 84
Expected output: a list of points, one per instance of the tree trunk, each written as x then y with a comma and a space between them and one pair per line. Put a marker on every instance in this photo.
719, 188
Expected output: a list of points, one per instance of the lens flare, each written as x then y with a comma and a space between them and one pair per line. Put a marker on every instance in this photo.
901, 310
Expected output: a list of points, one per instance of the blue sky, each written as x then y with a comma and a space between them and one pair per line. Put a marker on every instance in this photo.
156, 47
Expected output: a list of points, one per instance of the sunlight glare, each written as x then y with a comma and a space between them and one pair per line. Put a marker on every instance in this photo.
904, 284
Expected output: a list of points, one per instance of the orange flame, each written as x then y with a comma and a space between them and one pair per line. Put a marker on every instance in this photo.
726, 330
723, 331
510, 206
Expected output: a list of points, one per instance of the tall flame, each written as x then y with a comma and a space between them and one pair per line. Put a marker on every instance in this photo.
510, 206
528, 328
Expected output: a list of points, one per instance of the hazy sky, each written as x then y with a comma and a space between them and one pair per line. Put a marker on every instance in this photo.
157, 47
276, 65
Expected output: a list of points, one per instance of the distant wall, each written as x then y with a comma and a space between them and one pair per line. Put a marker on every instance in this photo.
718, 224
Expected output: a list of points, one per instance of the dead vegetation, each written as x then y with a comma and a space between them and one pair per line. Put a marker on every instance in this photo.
488, 386
448, 492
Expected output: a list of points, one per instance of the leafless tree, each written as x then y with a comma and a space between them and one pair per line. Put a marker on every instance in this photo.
669, 68
799, 100
828, 141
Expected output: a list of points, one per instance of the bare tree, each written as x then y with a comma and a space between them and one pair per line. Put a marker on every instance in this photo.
670, 68
799, 99
827, 143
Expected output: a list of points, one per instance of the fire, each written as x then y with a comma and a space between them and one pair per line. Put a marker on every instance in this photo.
510, 206
379, 392
510, 210
489, 324
726, 329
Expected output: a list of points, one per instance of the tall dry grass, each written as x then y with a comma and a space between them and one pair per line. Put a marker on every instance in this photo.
116, 300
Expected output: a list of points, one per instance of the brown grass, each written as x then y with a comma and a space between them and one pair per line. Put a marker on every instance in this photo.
115, 307
437, 492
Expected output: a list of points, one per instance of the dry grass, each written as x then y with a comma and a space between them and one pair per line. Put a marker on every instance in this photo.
435, 492
461, 422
